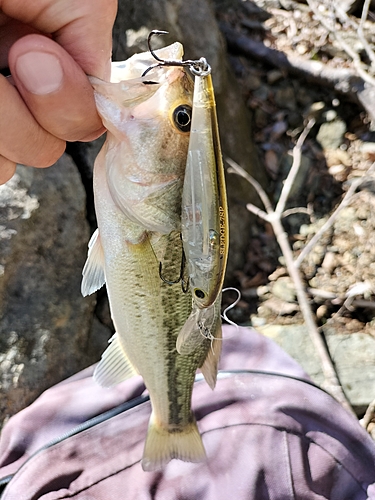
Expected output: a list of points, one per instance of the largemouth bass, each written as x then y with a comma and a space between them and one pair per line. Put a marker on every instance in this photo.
138, 180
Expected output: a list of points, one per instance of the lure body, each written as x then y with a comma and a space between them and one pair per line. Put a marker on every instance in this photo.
204, 203
204, 221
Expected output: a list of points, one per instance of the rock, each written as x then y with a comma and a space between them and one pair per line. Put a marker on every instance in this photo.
284, 289
262, 93
257, 321
280, 307
45, 327
336, 157
331, 134
368, 149
253, 82
330, 115
272, 161
345, 220
329, 262
260, 117
348, 352
286, 98
295, 119
274, 75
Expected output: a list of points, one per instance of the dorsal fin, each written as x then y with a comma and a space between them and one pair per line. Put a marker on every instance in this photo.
93, 271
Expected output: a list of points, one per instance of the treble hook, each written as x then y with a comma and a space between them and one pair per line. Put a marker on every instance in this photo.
184, 285
199, 67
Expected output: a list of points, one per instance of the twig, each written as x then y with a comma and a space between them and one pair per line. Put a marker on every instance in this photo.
297, 152
364, 14
344, 203
358, 27
274, 218
297, 210
336, 299
261, 192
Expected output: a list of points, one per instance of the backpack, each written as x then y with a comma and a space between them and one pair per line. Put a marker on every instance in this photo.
269, 433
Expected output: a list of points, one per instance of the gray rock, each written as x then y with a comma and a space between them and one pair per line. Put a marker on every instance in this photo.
331, 134
280, 307
284, 289
274, 76
348, 352
45, 327
253, 82
286, 98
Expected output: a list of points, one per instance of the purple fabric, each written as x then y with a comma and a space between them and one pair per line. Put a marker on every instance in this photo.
267, 437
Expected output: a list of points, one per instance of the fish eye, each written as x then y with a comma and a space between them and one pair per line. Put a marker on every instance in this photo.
182, 117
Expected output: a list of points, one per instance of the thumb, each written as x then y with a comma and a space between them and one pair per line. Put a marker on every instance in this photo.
54, 88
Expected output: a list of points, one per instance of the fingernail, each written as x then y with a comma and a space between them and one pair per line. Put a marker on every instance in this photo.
40, 72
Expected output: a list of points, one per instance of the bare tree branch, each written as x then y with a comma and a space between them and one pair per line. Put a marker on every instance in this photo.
297, 153
261, 192
331, 383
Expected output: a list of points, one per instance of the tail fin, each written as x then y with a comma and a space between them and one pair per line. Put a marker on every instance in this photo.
163, 445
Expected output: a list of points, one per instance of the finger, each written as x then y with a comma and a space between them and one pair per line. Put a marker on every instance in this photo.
55, 88
7, 169
83, 28
22, 139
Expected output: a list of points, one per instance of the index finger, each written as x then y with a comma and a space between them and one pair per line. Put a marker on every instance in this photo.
83, 28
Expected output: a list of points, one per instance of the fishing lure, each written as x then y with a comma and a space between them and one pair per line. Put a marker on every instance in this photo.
204, 218
204, 214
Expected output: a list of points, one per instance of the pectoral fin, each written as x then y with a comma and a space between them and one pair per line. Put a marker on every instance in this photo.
93, 272
114, 367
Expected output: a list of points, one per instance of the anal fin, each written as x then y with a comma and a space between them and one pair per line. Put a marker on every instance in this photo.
93, 271
114, 367
163, 445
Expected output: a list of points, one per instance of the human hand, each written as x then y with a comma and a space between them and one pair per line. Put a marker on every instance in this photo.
50, 46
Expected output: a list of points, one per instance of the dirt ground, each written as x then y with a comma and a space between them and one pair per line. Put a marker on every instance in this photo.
339, 271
